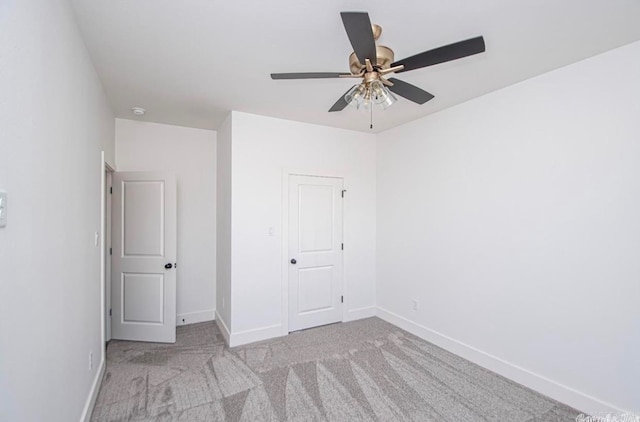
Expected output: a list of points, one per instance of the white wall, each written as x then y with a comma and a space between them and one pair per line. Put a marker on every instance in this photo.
54, 121
262, 148
514, 220
223, 203
191, 154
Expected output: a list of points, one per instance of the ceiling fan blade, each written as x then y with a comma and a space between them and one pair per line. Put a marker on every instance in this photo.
340, 104
410, 92
443, 54
358, 27
309, 75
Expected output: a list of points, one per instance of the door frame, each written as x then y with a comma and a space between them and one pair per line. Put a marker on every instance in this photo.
105, 231
109, 170
286, 173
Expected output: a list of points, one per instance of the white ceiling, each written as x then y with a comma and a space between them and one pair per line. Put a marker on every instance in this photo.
189, 62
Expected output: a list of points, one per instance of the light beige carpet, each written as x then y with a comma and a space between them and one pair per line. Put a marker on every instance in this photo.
365, 370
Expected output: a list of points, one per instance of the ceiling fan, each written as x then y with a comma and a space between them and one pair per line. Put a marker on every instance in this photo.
372, 63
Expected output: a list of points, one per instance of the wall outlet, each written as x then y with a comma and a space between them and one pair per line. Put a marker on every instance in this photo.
90, 361
414, 305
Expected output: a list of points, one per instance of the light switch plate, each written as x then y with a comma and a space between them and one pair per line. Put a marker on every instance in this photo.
3, 208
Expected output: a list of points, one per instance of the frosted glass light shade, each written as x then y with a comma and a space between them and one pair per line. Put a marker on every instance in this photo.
355, 96
389, 99
381, 95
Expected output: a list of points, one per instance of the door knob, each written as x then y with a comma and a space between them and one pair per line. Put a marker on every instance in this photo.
169, 266
293, 261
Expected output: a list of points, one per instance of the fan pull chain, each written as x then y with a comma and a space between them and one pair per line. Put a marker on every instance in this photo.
371, 117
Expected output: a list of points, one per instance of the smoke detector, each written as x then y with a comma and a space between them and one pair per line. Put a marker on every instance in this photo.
138, 111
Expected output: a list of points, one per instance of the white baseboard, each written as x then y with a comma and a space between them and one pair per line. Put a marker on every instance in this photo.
361, 313
273, 331
223, 327
193, 317
539, 383
248, 336
93, 394
258, 334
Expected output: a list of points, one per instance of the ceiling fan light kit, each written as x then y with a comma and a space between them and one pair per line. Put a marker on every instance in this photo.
371, 63
362, 96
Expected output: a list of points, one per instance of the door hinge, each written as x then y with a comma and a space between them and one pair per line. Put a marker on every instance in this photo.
341, 299
110, 251
110, 190
110, 312
342, 246
343, 191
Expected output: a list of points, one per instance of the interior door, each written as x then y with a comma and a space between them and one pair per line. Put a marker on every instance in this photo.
315, 251
144, 257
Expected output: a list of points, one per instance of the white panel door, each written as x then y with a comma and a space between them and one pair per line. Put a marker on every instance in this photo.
315, 251
143, 278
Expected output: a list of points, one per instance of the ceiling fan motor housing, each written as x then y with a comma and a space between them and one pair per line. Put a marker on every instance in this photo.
384, 56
